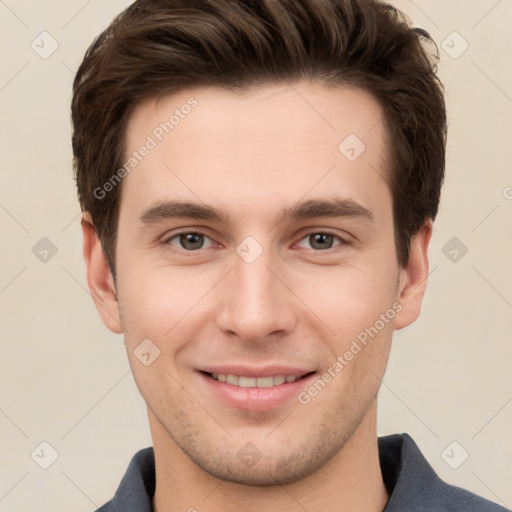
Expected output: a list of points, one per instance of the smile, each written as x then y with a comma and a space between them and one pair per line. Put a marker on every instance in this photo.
255, 382
253, 389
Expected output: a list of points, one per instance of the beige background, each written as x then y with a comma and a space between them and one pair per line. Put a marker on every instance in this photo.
65, 379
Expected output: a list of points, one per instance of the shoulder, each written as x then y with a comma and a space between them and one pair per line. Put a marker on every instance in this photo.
136, 490
452, 498
414, 486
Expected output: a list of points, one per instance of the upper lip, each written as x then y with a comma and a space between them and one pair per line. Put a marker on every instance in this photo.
253, 371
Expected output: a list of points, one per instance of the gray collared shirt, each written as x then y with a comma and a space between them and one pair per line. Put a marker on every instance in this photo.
411, 482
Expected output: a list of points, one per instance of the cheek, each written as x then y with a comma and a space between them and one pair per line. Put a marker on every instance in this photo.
156, 300
365, 325
352, 298
362, 317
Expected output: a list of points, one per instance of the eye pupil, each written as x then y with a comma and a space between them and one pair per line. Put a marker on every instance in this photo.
321, 238
191, 240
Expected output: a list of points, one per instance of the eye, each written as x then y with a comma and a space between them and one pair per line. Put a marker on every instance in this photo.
189, 240
321, 240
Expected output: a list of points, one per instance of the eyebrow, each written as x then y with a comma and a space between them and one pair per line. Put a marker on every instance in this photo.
336, 207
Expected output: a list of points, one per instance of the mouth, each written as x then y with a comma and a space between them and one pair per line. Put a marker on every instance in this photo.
255, 392
244, 381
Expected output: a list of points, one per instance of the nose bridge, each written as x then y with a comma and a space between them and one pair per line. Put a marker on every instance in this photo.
255, 303
256, 283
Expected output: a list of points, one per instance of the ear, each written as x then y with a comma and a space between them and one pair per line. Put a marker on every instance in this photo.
99, 277
413, 278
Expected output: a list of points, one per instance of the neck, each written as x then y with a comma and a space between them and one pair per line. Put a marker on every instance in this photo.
350, 481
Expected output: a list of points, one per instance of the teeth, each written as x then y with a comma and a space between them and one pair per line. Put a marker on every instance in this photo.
246, 382
279, 379
265, 382
254, 382
232, 379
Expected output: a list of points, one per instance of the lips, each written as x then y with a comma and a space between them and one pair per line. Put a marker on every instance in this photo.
255, 389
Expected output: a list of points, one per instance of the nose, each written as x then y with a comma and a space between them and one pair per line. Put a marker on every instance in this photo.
256, 303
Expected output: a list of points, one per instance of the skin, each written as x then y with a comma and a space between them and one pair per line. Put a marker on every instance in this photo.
252, 154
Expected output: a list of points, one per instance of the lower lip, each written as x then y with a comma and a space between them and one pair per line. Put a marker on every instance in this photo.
256, 399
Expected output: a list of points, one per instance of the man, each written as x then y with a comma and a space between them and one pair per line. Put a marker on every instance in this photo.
259, 181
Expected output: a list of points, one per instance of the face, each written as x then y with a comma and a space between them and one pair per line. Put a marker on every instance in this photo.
256, 258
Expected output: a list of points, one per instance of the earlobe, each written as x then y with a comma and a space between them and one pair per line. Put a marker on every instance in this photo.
99, 277
413, 278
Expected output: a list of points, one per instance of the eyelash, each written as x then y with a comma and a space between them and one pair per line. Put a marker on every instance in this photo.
199, 232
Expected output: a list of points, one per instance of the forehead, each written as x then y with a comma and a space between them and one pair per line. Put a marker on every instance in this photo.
282, 139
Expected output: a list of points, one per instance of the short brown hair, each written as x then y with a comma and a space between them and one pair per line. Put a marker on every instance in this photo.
158, 47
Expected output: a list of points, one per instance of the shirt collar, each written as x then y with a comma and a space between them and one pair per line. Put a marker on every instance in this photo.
410, 480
